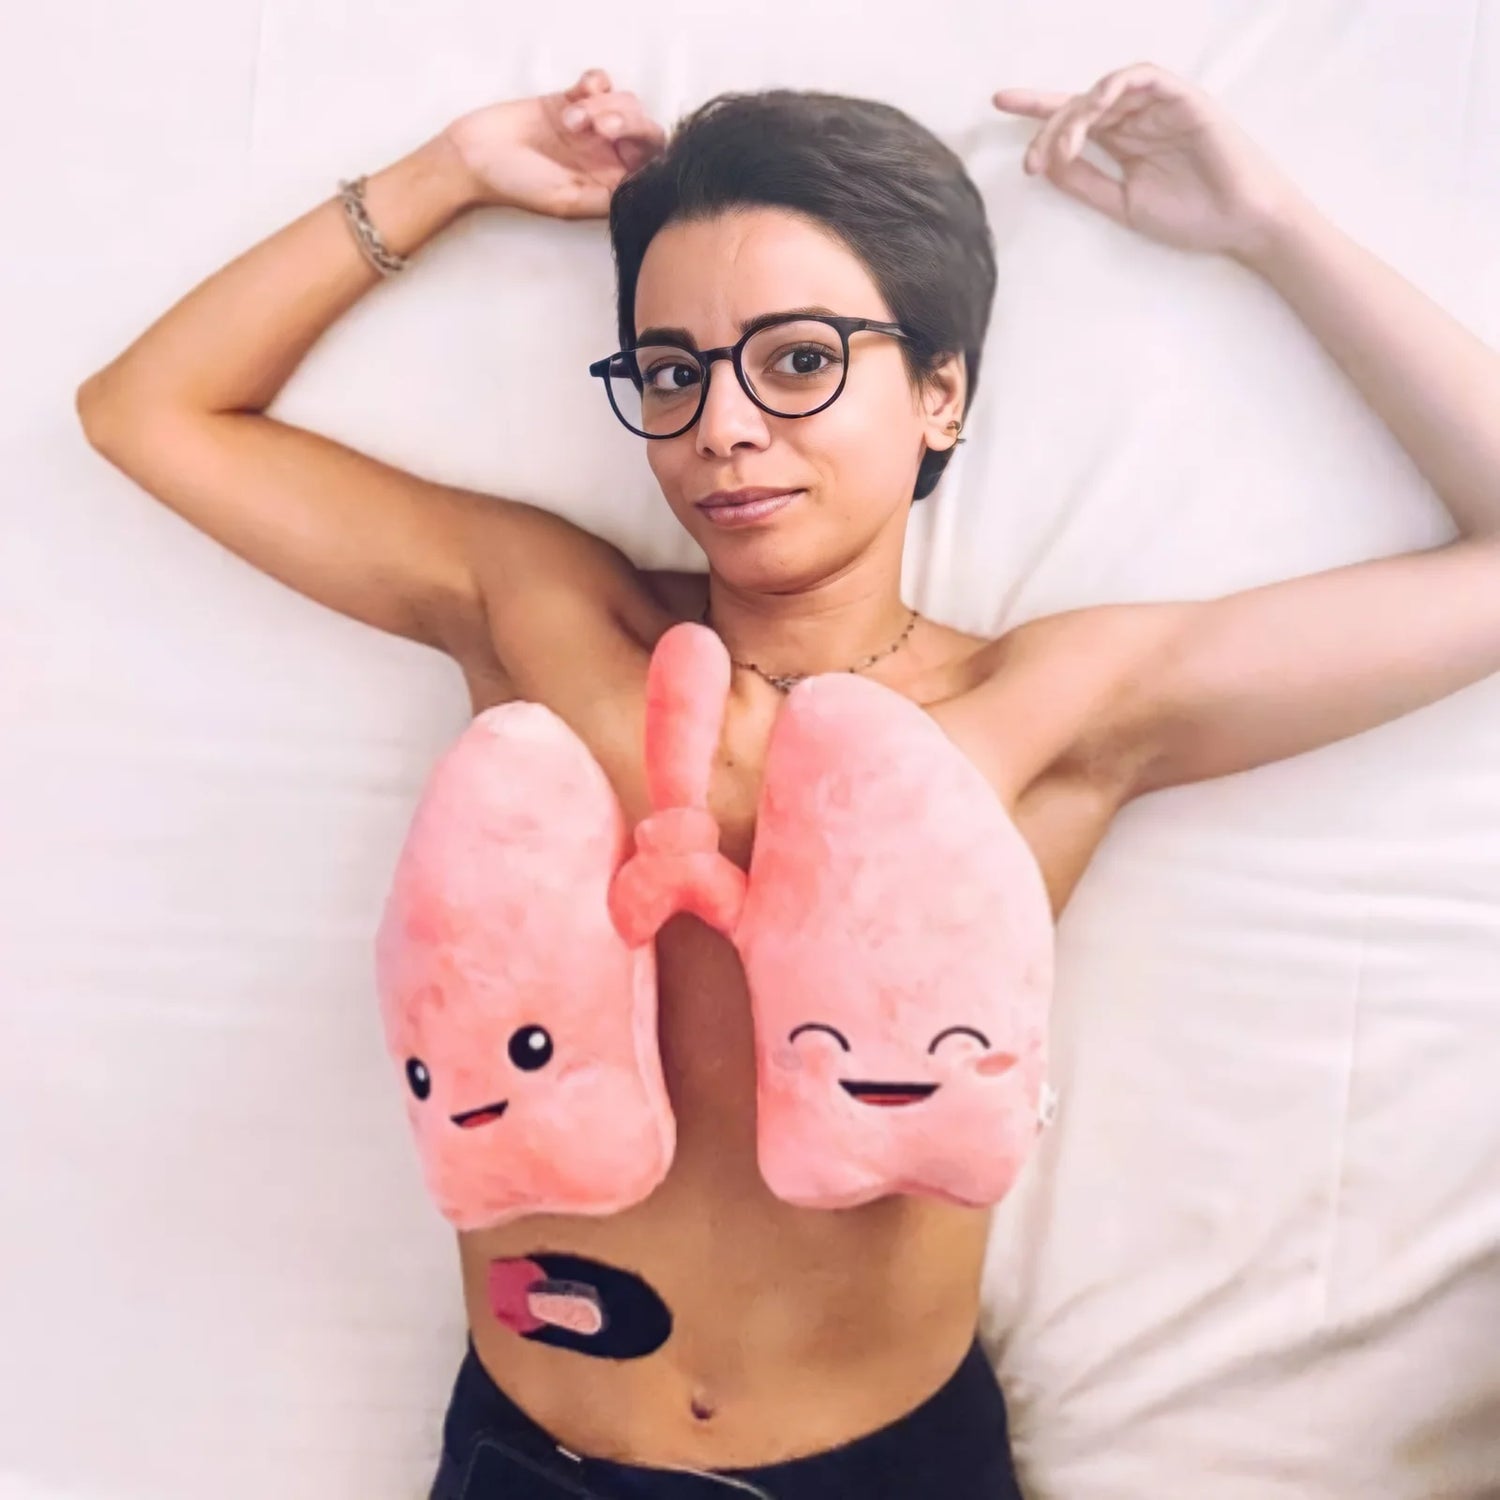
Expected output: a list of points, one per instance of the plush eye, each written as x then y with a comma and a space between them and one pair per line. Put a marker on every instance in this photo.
978, 1036
838, 1036
418, 1077
530, 1048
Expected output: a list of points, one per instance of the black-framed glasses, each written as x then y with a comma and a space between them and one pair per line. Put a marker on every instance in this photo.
788, 364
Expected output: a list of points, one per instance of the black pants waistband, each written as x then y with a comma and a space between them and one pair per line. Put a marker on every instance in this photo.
953, 1446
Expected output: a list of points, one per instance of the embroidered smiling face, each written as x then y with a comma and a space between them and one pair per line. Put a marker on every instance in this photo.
868, 1081
891, 1092
529, 1049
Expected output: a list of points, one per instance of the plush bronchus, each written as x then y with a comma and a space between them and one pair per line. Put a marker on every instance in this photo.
894, 928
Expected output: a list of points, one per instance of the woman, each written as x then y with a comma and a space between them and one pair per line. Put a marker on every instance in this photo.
811, 1353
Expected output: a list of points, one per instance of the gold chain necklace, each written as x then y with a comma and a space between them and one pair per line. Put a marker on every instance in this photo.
784, 682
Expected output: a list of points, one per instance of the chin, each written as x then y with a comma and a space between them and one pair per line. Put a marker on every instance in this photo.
766, 565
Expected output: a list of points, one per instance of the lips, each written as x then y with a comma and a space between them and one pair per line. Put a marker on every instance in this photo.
747, 496
744, 507
486, 1114
888, 1094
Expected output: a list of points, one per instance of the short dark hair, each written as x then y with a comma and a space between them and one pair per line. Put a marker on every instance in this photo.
887, 186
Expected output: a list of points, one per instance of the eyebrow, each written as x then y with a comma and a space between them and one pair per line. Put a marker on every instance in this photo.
684, 340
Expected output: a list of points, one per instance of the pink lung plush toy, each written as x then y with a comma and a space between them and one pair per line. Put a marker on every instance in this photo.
894, 928
897, 941
523, 1024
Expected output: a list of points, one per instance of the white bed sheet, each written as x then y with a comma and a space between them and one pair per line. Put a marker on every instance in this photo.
1259, 1251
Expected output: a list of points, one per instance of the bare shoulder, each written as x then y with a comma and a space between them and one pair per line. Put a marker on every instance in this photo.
1065, 695
563, 610
1052, 713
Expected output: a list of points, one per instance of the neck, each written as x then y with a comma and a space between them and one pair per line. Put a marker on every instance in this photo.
825, 629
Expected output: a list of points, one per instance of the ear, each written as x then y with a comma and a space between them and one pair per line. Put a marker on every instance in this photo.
942, 402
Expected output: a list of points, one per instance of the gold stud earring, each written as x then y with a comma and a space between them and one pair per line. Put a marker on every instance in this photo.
955, 428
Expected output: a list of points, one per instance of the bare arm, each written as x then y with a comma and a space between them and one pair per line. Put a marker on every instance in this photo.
1275, 670
1170, 693
182, 410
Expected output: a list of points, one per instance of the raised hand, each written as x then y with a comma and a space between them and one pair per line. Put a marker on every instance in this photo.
559, 154
1189, 176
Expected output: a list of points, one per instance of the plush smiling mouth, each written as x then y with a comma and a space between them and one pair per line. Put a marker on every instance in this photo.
888, 1093
471, 1118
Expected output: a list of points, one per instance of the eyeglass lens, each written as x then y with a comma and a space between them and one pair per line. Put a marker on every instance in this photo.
793, 368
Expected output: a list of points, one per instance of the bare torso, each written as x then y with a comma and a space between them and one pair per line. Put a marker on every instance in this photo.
793, 1329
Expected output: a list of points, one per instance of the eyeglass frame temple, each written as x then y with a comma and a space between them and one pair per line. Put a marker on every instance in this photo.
734, 352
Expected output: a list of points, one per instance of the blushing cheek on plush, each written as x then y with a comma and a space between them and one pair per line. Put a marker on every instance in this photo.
812, 1064
786, 1059
993, 1064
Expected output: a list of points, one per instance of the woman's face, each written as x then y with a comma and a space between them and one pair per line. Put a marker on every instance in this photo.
854, 464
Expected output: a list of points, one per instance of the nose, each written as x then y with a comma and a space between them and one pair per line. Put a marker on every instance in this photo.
729, 417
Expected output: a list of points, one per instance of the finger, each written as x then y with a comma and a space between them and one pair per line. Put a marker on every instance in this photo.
1039, 152
1110, 101
634, 127
1062, 111
1064, 135
616, 117
592, 81
1028, 102
1112, 98
600, 111
584, 113
1125, 92
1136, 98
